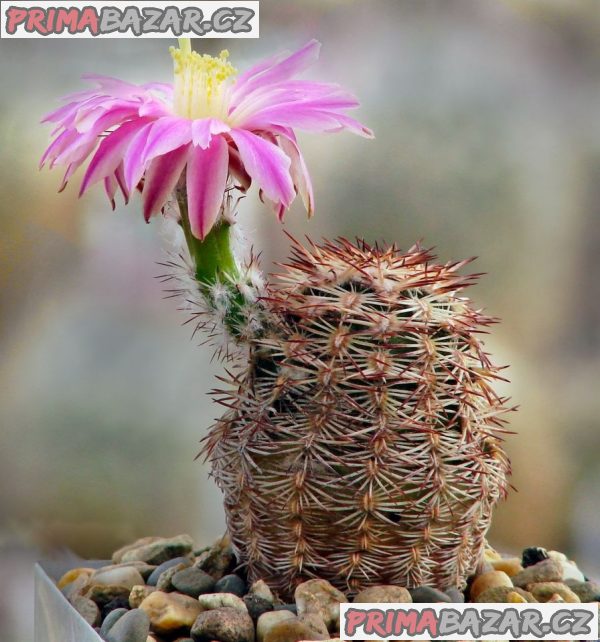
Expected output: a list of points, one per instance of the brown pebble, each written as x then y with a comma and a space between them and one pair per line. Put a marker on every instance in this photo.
386, 594
548, 570
72, 575
489, 580
501, 593
510, 565
88, 610
515, 598
543, 591
138, 594
170, 611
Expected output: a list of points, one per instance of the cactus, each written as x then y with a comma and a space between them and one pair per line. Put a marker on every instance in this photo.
362, 443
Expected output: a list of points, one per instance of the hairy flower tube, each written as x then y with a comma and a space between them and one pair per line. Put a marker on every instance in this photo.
211, 125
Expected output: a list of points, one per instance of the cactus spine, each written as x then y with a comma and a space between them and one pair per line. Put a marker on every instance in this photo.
362, 443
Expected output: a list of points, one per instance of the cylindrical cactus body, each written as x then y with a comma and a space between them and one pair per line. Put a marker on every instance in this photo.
362, 443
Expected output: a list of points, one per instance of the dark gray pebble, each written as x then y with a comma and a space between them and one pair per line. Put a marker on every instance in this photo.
113, 605
454, 594
193, 582
110, 620
134, 626
159, 570
257, 606
428, 594
286, 607
231, 584
533, 555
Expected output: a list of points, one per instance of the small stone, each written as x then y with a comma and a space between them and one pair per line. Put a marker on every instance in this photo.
110, 619
231, 583
545, 571
155, 550
126, 576
571, 572
509, 565
586, 591
72, 575
501, 593
423, 594
139, 594
487, 581
555, 598
102, 594
455, 595
515, 598
169, 612
193, 581
543, 591
267, 621
292, 631
491, 554
261, 589
383, 593
315, 623
109, 607
257, 606
292, 608
320, 597
88, 610
218, 560
134, 626
76, 588
533, 555
159, 570
223, 624
558, 556
211, 601
165, 581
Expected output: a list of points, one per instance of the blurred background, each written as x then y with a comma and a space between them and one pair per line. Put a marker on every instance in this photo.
488, 144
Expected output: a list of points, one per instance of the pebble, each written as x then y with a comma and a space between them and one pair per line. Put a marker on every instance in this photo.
155, 550
261, 589
545, 571
223, 624
117, 603
320, 597
515, 598
257, 606
315, 623
501, 594
133, 626
110, 619
423, 594
533, 555
193, 581
231, 584
545, 590
454, 594
571, 572
159, 570
211, 601
509, 565
88, 610
487, 581
218, 560
72, 575
292, 608
267, 621
586, 591
75, 588
139, 594
126, 576
292, 630
169, 612
383, 593
103, 594
165, 581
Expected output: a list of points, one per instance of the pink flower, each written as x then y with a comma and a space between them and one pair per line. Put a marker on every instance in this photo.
211, 125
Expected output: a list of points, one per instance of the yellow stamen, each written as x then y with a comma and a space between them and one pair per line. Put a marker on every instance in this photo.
201, 82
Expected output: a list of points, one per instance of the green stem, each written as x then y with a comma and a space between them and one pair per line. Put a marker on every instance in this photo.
214, 262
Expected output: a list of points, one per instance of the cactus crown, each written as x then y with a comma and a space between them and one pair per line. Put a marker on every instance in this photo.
365, 424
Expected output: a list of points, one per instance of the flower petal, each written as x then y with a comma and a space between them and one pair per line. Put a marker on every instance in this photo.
161, 179
299, 173
110, 153
266, 164
206, 180
167, 134
204, 129
133, 161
